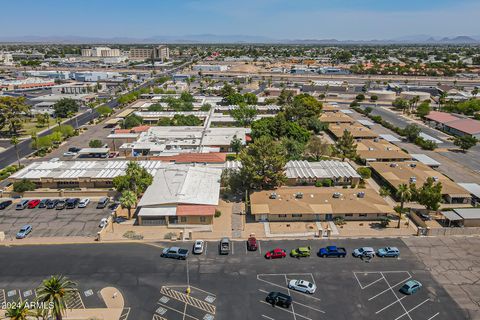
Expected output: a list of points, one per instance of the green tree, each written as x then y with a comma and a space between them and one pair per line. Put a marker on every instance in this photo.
423, 109
65, 107
465, 142
364, 172
373, 98
263, 164
23, 185
400, 104
285, 97
384, 192
227, 90
360, 97
304, 106
234, 99
136, 179
411, 131
244, 114
404, 193
95, 143
346, 145
128, 200
18, 311
104, 110
66, 130
131, 121
44, 142
317, 148
294, 148
250, 98
12, 111
236, 144
56, 290
430, 194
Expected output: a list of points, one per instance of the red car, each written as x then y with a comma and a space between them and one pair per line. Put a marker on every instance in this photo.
252, 244
33, 203
276, 253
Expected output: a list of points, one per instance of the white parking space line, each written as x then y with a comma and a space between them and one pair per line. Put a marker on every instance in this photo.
408, 312
178, 311
206, 246
368, 285
304, 305
390, 287
259, 247
246, 249
285, 310
396, 297
233, 247
266, 317
288, 290
436, 314
386, 307
279, 286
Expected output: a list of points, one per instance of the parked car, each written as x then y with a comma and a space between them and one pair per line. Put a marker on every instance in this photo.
302, 286
224, 246
33, 203
43, 203
332, 251
24, 231
120, 219
175, 253
276, 253
102, 203
52, 204
83, 203
114, 206
388, 252
21, 205
74, 149
410, 287
364, 252
301, 252
198, 246
103, 223
425, 216
69, 154
60, 205
252, 244
279, 299
72, 203
5, 204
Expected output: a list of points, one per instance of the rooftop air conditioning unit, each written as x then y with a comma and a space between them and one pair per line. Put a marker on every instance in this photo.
337, 194
299, 195
393, 165
376, 140
273, 195
413, 165
413, 179
435, 179
361, 194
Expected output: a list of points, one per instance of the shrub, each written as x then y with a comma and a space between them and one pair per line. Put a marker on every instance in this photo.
327, 182
365, 172
218, 213
318, 183
95, 143
23, 185
339, 221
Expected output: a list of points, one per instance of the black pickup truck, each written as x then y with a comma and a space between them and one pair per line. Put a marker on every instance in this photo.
332, 251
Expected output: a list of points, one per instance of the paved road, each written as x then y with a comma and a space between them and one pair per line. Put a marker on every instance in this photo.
234, 286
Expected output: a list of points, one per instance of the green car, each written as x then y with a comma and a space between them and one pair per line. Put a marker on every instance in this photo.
300, 252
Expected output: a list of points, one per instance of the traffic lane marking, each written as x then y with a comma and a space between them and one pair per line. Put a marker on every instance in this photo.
178, 311
285, 310
295, 302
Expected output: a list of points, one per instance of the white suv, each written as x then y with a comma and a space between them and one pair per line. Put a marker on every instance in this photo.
83, 203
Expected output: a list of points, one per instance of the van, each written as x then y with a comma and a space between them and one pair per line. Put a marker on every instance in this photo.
102, 203
21, 205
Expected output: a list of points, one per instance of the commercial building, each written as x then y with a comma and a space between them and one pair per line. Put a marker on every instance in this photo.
455, 125
160, 52
210, 67
408, 95
180, 196
304, 172
25, 84
394, 174
6, 59
92, 76
73, 88
180, 139
100, 52
318, 204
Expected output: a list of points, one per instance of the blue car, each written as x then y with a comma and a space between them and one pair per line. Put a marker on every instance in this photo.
388, 252
24, 231
410, 287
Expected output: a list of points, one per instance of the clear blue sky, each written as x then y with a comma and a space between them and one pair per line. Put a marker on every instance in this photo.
281, 19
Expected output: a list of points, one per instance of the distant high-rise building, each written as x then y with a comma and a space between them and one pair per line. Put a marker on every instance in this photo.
160, 53
100, 52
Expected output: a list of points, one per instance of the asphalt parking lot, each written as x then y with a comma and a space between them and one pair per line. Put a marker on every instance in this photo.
53, 223
234, 286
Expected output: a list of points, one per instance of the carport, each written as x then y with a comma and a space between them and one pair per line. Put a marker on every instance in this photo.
451, 216
156, 216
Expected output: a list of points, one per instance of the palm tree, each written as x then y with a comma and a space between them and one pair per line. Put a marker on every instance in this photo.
34, 140
56, 290
17, 311
14, 141
128, 200
404, 193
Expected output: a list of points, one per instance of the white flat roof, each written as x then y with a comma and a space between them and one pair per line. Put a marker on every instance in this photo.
429, 138
423, 158
390, 138
466, 214
94, 150
158, 211
473, 188
346, 111
366, 123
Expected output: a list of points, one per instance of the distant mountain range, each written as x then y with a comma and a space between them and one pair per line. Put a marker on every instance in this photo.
214, 38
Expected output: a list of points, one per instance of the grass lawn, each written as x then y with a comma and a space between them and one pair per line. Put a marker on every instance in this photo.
29, 127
